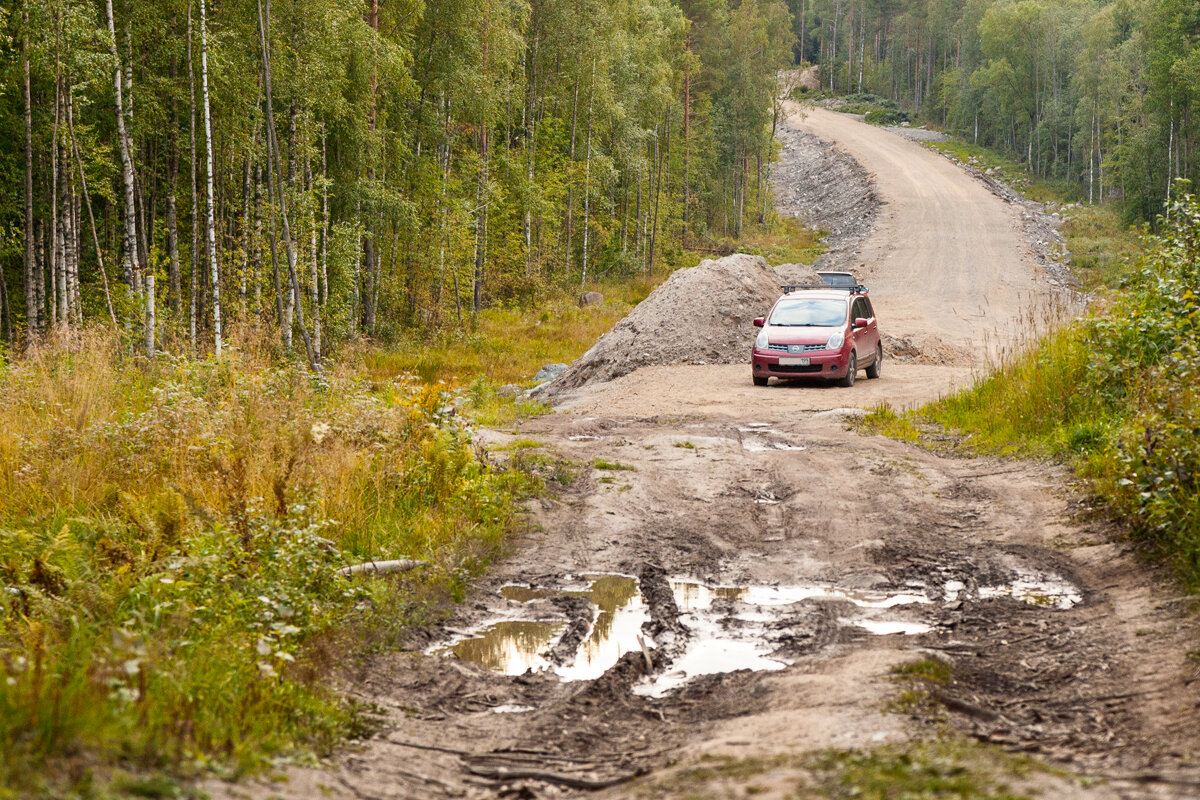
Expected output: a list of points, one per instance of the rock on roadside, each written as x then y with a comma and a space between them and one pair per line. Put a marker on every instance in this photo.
702, 315
549, 372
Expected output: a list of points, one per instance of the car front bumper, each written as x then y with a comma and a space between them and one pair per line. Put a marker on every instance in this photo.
821, 364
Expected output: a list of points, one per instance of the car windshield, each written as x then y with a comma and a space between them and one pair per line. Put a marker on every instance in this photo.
809, 312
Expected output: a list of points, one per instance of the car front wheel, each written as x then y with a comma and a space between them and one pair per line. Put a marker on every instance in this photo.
876, 365
761, 381
851, 371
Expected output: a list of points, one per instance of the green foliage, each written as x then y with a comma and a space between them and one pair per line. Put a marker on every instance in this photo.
615, 466
436, 159
945, 769
170, 539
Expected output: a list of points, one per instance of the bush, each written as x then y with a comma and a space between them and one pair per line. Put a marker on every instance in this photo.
887, 116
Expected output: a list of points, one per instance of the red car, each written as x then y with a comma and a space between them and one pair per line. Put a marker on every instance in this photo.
819, 333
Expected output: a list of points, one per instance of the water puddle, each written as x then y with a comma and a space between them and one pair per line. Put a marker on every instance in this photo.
515, 646
753, 444
886, 627
690, 595
729, 627
741, 627
1034, 588
510, 647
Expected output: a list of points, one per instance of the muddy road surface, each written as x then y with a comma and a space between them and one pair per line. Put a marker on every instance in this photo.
731, 575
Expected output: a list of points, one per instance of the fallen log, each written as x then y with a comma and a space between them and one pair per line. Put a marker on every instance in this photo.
382, 567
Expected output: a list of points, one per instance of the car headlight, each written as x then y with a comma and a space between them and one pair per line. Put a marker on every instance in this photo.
761, 342
836, 341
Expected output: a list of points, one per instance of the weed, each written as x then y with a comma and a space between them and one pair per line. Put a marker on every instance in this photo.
952, 769
947, 768
601, 463
933, 670
884, 420
523, 444
685, 445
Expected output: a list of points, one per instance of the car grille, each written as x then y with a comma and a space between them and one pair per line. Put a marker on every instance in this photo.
783, 348
798, 368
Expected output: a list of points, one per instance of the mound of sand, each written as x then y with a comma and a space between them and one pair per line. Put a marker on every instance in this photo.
702, 315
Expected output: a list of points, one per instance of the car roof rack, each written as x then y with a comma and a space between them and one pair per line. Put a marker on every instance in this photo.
788, 288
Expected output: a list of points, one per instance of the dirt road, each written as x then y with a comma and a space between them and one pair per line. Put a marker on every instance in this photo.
948, 257
728, 578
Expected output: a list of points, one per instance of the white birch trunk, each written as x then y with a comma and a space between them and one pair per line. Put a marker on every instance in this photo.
211, 232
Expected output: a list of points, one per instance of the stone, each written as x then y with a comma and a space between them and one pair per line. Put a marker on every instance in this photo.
590, 299
549, 372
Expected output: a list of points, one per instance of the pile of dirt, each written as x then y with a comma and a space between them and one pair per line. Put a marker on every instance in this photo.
925, 349
702, 315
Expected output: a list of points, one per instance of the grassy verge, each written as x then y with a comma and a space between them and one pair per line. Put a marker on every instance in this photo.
1115, 394
170, 538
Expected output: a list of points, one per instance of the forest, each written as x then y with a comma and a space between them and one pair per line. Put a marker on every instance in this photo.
1102, 95
178, 168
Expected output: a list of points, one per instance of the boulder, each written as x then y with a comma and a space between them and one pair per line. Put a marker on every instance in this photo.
590, 299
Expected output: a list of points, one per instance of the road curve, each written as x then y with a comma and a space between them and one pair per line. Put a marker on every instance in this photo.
947, 257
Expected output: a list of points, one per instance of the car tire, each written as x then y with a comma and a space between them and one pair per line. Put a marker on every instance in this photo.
761, 381
876, 365
851, 371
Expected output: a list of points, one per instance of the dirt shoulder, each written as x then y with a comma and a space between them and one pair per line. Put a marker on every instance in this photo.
755, 528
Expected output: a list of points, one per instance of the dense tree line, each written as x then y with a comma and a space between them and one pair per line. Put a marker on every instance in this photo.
348, 167
1104, 93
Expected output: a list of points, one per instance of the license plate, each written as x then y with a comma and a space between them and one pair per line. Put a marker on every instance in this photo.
793, 362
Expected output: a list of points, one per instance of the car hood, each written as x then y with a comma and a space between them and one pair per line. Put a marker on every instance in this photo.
777, 334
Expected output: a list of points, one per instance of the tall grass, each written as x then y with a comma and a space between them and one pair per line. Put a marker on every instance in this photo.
170, 534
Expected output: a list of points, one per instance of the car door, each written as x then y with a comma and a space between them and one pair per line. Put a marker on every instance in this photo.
862, 346
870, 335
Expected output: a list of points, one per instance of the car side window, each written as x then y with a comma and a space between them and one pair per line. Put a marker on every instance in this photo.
870, 312
858, 309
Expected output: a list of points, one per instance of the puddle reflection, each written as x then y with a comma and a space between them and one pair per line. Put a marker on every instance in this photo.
510, 647
513, 647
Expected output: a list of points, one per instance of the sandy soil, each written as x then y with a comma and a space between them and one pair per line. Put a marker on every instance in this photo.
725, 484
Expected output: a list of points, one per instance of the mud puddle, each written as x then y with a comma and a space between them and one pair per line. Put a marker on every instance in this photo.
529, 641
578, 629
735, 627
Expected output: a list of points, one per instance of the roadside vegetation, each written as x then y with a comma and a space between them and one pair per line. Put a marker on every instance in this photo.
1113, 393
170, 539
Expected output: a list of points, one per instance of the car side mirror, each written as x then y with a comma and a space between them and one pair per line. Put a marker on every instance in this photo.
759, 322
860, 323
